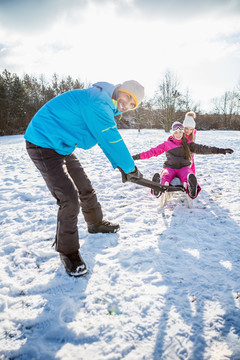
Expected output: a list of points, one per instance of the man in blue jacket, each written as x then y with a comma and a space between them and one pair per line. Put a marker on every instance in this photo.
80, 118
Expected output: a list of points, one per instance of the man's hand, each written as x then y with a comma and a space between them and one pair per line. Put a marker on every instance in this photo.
136, 174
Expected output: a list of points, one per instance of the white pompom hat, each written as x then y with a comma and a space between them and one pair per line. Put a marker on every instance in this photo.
133, 88
189, 119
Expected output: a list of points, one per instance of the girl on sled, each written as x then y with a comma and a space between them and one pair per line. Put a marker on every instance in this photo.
178, 150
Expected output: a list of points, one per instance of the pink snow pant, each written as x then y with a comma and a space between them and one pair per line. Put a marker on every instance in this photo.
168, 174
193, 165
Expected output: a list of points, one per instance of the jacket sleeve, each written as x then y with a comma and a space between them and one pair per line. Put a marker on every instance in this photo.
103, 127
204, 149
158, 150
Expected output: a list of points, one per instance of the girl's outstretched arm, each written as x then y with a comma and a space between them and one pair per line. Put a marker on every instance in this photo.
158, 150
204, 149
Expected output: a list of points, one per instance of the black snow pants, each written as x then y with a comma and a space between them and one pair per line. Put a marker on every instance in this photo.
69, 184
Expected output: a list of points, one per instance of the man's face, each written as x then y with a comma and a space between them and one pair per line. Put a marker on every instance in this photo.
125, 101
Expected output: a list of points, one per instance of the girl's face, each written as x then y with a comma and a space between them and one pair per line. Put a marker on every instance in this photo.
188, 130
178, 134
125, 101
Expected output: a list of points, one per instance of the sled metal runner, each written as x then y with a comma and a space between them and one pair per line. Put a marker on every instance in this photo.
157, 186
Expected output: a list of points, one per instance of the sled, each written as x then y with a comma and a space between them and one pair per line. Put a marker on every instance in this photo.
176, 183
167, 190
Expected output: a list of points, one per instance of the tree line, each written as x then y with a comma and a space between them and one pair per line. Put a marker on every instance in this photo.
21, 98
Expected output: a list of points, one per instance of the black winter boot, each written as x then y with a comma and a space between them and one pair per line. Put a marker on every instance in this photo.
103, 227
192, 185
74, 264
156, 178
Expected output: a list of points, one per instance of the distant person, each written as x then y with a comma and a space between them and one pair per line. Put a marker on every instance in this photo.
190, 132
80, 119
178, 151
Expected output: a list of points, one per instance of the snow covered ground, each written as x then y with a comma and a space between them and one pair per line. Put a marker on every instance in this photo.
166, 287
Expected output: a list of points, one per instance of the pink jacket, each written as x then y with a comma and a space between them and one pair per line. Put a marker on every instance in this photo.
175, 152
193, 164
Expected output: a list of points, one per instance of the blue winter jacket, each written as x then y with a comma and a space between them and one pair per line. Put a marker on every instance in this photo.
81, 118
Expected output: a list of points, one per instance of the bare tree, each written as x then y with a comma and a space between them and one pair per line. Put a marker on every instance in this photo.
166, 97
227, 106
185, 103
238, 98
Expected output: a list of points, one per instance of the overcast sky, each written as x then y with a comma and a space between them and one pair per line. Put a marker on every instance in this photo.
118, 40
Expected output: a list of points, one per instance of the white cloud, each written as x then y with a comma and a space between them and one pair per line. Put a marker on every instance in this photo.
34, 15
94, 43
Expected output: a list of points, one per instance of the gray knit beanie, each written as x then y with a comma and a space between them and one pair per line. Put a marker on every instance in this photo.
133, 88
